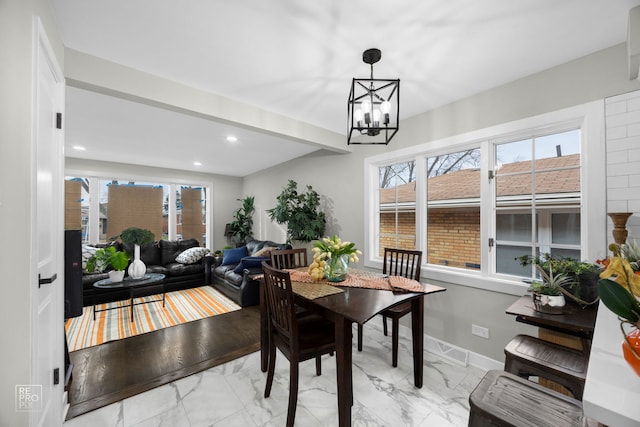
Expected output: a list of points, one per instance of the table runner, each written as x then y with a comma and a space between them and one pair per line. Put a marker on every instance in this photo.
365, 279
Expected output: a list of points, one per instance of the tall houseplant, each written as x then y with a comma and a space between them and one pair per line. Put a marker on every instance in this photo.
300, 211
242, 224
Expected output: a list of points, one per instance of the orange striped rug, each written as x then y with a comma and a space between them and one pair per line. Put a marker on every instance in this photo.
180, 307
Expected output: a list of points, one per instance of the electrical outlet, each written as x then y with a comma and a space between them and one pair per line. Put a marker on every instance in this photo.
480, 331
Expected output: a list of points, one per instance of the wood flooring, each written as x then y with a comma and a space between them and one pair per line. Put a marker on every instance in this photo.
116, 370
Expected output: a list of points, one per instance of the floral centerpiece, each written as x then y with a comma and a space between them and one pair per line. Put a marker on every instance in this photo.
331, 258
619, 289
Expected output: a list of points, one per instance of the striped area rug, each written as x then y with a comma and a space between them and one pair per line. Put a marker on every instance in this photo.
180, 307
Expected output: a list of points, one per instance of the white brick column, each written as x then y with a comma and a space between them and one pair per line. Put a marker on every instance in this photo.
623, 159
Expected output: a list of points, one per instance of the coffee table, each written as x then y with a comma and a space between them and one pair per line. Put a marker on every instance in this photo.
149, 284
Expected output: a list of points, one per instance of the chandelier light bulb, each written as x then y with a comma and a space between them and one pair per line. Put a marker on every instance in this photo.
376, 117
385, 107
357, 116
366, 108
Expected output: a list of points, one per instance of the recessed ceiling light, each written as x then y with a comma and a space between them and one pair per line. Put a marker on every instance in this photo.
232, 138
197, 164
79, 148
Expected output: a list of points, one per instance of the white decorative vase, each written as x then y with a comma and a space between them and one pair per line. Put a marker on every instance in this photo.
137, 269
116, 276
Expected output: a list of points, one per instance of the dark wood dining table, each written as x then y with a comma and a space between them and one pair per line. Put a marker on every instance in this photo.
356, 305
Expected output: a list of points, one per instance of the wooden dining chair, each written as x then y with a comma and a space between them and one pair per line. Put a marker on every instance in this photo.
397, 262
289, 258
298, 338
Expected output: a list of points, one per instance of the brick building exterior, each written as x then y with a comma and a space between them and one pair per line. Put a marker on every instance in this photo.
453, 236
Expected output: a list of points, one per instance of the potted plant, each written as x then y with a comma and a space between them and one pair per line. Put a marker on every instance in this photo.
582, 276
300, 211
242, 224
620, 296
136, 237
109, 257
547, 294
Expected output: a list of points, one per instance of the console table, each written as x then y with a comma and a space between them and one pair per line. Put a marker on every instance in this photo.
149, 284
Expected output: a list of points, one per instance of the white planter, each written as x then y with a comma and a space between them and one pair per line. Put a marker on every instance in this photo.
116, 276
549, 304
137, 269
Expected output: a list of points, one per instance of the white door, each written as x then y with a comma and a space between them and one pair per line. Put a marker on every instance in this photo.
48, 289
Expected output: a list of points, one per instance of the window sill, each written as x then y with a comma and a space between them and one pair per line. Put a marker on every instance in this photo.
465, 278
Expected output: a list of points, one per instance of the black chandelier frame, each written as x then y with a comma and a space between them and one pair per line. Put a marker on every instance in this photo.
366, 98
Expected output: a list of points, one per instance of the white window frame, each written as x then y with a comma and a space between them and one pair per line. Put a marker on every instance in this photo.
593, 224
94, 202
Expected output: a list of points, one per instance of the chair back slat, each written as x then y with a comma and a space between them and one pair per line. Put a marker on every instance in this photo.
280, 303
289, 258
402, 262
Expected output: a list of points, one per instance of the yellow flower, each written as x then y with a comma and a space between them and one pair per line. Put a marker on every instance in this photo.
624, 274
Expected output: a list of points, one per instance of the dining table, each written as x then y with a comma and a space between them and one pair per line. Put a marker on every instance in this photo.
345, 305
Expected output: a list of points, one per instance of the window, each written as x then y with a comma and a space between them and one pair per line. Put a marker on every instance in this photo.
108, 206
397, 200
475, 202
537, 203
453, 209
125, 204
191, 213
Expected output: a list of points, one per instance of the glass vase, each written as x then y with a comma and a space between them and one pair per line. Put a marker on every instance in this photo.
337, 268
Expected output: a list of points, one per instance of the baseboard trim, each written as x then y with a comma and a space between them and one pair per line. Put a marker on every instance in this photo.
458, 355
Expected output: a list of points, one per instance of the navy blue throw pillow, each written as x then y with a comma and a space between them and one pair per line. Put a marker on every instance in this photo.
233, 256
250, 262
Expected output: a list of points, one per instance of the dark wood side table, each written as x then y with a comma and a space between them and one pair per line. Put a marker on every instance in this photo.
575, 321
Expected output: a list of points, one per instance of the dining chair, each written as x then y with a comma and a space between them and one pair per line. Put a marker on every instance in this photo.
397, 262
289, 258
298, 338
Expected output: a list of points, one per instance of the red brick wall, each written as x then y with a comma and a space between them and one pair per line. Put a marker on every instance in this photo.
406, 230
453, 235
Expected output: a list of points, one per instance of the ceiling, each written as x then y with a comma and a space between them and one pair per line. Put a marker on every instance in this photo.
297, 58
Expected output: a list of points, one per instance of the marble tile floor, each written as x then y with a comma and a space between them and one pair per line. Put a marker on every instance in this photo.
232, 394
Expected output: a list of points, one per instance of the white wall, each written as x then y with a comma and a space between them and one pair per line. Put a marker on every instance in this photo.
340, 178
16, 183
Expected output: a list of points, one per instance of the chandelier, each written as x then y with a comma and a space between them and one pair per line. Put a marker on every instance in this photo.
373, 110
